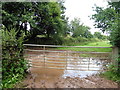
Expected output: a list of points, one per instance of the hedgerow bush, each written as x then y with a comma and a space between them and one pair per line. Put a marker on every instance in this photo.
13, 62
113, 73
78, 40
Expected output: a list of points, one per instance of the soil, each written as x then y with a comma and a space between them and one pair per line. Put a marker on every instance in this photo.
94, 81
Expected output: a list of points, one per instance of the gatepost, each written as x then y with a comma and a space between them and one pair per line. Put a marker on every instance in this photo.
115, 56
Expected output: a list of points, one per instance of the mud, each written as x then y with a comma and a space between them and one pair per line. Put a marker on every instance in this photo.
94, 81
41, 77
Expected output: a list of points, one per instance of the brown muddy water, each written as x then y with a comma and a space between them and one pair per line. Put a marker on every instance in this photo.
66, 69
49, 65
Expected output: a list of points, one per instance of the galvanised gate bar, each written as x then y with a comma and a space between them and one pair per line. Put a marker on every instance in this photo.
67, 57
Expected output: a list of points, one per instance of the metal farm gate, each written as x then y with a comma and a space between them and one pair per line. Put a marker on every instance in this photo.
67, 57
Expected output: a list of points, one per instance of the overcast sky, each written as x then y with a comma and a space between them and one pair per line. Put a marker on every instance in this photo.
82, 9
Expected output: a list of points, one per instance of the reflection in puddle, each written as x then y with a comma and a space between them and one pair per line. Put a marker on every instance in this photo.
52, 65
84, 68
76, 73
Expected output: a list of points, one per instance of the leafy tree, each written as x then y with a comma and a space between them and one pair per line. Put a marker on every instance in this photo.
44, 18
48, 18
16, 14
78, 29
108, 20
98, 35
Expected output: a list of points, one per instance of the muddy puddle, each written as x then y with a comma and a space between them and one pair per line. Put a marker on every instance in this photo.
66, 70
49, 65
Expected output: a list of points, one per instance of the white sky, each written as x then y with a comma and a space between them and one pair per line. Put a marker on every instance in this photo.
82, 9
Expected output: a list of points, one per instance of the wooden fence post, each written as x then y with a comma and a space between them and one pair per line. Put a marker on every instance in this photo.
115, 56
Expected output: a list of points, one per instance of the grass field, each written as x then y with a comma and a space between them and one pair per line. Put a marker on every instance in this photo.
96, 44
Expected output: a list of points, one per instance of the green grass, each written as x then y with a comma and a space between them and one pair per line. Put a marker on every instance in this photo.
113, 73
96, 44
101, 44
111, 76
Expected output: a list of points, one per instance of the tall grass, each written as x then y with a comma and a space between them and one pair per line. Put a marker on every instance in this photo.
96, 44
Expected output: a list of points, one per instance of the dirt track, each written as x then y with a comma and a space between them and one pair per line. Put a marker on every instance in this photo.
95, 81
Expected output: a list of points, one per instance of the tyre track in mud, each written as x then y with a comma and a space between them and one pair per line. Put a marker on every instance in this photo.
94, 81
